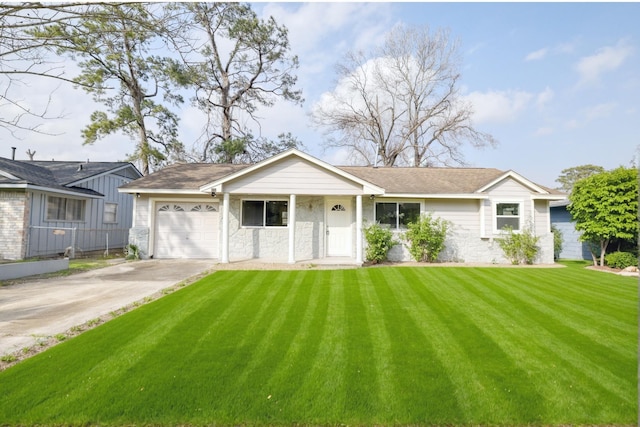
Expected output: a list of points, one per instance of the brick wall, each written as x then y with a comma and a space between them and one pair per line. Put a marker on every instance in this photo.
13, 213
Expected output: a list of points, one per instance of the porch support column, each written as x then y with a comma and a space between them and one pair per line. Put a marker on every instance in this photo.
291, 223
359, 229
225, 229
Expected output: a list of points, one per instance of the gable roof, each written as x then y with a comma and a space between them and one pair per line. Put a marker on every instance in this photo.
199, 178
185, 178
367, 185
60, 177
432, 181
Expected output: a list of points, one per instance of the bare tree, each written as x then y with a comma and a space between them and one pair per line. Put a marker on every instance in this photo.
401, 105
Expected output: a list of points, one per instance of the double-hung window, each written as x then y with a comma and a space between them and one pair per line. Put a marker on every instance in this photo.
508, 215
397, 215
63, 209
110, 212
264, 213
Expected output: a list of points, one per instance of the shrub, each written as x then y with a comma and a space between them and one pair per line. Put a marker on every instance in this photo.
621, 260
132, 252
557, 241
379, 242
520, 247
426, 238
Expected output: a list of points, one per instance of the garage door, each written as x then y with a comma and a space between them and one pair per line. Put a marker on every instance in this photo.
186, 230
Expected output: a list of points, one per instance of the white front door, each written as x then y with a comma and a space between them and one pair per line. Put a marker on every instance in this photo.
339, 227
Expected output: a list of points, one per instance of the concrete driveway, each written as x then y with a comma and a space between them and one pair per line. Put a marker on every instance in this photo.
46, 307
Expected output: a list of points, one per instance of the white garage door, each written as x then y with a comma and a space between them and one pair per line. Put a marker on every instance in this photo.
186, 230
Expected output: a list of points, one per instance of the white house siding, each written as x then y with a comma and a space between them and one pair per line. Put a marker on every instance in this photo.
464, 242
542, 219
508, 190
292, 176
141, 214
13, 213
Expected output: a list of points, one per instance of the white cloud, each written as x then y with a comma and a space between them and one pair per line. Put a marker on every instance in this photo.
544, 131
544, 97
599, 111
590, 114
498, 106
538, 54
606, 59
313, 25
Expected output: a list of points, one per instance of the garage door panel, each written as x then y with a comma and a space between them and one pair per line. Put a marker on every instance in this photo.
186, 230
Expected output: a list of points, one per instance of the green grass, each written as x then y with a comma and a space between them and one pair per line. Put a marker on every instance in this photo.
377, 346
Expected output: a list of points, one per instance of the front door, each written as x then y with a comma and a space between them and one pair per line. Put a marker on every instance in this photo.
339, 227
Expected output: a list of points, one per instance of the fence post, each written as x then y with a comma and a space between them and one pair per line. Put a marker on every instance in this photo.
73, 242
26, 250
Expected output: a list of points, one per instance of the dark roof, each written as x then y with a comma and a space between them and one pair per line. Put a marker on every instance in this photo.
57, 175
184, 176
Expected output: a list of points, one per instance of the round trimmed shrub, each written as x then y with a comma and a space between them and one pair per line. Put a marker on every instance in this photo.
621, 260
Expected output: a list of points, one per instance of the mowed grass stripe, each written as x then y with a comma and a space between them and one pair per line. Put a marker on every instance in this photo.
474, 399
106, 356
360, 373
291, 399
604, 349
359, 347
323, 387
425, 389
388, 409
495, 373
576, 310
556, 365
140, 390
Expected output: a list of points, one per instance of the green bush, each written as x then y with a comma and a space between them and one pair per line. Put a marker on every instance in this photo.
379, 242
519, 248
426, 238
132, 252
557, 241
621, 260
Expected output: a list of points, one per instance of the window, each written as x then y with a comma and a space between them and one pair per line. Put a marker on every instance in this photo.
508, 215
397, 215
110, 212
264, 213
62, 209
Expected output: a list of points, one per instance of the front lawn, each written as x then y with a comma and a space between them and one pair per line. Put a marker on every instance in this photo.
375, 346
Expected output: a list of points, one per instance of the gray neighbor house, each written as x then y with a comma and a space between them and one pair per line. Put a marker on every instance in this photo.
48, 208
294, 208
572, 247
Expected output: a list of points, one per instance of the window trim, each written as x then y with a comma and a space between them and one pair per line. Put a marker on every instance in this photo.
397, 203
83, 213
264, 213
495, 215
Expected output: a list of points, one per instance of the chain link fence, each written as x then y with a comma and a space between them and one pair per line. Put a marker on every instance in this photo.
74, 242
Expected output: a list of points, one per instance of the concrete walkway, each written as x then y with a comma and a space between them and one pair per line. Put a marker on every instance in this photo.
46, 307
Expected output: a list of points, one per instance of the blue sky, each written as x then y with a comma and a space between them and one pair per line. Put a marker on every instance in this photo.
557, 84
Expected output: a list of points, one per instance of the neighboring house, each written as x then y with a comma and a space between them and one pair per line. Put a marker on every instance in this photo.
293, 207
572, 247
49, 207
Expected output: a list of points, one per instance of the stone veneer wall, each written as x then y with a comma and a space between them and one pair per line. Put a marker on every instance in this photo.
272, 243
13, 232
139, 236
